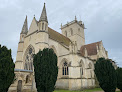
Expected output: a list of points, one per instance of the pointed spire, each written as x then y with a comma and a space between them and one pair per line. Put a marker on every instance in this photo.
43, 15
25, 27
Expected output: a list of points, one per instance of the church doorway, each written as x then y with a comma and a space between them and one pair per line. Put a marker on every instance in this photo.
19, 86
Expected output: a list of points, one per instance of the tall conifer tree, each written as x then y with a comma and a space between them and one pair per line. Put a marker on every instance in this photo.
119, 78
106, 75
6, 69
46, 70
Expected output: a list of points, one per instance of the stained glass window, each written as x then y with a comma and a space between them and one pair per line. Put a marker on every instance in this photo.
29, 59
65, 70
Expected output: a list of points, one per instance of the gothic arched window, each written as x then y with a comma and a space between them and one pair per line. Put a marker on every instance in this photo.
42, 26
45, 26
65, 69
30, 50
27, 79
29, 58
81, 64
81, 70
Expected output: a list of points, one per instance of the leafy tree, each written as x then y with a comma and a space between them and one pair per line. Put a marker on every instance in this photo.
106, 74
46, 70
6, 69
119, 78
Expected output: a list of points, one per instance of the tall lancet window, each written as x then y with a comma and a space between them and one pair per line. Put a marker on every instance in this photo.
81, 70
65, 69
81, 64
42, 26
29, 58
45, 26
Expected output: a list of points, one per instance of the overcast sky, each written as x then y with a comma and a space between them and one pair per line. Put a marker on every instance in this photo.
102, 18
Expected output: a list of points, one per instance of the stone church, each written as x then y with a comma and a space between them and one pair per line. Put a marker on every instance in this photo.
75, 58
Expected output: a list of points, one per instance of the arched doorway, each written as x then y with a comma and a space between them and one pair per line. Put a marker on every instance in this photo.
19, 86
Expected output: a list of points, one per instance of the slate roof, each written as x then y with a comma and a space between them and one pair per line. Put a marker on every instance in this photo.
58, 37
91, 49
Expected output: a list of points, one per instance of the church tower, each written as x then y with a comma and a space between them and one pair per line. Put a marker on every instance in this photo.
74, 30
23, 33
43, 36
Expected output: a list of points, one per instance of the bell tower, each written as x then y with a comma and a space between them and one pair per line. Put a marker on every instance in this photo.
74, 30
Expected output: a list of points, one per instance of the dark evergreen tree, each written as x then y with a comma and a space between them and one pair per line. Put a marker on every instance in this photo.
119, 78
6, 69
106, 74
46, 70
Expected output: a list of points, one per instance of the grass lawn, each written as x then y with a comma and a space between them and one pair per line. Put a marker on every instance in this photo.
87, 90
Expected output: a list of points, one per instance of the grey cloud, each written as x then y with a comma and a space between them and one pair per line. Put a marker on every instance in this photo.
102, 19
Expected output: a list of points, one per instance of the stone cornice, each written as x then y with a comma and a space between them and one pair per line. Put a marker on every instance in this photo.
42, 42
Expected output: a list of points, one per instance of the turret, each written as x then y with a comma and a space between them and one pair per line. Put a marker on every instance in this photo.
19, 61
24, 30
43, 30
43, 21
